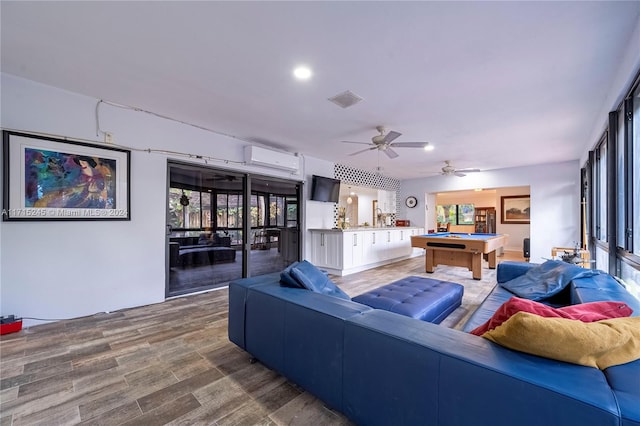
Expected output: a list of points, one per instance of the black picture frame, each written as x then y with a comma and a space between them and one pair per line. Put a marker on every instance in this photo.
516, 209
47, 178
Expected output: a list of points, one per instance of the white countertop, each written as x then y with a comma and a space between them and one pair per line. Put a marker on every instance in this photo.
363, 228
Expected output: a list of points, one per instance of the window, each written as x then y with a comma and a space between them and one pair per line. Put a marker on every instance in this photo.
620, 204
621, 183
276, 211
229, 210
292, 212
465, 214
635, 169
601, 189
446, 213
455, 214
257, 207
196, 214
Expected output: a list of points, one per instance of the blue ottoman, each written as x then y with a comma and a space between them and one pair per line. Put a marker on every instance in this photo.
425, 299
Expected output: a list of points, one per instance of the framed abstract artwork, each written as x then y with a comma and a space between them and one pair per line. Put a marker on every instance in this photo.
516, 209
47, 178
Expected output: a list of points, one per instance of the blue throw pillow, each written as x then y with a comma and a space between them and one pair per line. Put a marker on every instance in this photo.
546, 280
312, 278
286, 280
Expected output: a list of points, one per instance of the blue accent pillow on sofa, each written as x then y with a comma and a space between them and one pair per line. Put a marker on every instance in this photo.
286, 280
312, 278
546, 280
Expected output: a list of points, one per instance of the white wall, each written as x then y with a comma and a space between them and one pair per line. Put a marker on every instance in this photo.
555, 200
485, 198
426, 206
516, 232
71, 269
318, 214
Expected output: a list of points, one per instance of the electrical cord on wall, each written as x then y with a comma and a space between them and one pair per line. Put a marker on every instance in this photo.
205, 158
165, 117
49, 319
44, 319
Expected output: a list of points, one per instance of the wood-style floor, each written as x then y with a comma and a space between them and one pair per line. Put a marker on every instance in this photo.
171, 363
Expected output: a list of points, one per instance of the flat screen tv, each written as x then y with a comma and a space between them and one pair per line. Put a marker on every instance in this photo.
325, 189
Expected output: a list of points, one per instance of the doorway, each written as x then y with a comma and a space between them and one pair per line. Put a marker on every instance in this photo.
469, 211
274, 225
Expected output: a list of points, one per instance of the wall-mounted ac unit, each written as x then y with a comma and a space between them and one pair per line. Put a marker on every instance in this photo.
258, 156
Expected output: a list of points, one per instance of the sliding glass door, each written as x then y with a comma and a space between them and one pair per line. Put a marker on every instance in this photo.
209, 240
274, 223
204, 228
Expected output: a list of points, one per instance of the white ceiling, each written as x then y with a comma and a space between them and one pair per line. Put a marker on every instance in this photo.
489, 84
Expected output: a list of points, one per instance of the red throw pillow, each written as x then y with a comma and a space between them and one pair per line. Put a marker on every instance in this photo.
597, 311
585, 312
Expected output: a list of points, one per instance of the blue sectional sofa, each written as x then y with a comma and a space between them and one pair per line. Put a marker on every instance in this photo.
381, 368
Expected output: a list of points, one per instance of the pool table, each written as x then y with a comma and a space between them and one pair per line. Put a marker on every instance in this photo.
459, 249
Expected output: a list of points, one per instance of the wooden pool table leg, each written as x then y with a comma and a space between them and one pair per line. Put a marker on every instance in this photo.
476, 265
428, 261
492, 259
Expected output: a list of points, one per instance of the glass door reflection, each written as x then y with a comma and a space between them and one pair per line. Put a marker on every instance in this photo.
274, 225
204, 219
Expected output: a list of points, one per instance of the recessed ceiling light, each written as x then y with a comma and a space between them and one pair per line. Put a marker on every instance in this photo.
429, 147
302, 72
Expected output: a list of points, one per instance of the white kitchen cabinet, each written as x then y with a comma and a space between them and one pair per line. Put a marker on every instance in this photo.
342, 252
387, 201
352, 249
416, 251
375, 245
326, 249
399, 242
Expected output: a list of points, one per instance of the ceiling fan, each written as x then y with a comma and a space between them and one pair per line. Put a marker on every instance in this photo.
384, 142
449, 170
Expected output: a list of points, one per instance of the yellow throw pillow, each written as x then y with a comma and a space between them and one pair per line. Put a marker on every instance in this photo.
599, 344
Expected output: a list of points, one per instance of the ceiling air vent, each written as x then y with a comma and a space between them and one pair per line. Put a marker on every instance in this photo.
345, 99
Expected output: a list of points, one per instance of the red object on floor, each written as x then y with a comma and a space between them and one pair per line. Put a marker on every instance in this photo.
11, 327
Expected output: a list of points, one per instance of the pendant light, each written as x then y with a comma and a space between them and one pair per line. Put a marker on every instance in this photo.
184, 200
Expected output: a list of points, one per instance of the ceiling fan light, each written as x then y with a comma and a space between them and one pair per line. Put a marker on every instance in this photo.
429, 147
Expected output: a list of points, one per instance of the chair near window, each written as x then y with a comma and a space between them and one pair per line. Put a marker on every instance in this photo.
261, 240
444, 227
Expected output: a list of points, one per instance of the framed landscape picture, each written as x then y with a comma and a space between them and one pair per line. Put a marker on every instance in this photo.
516, 209
56, 179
